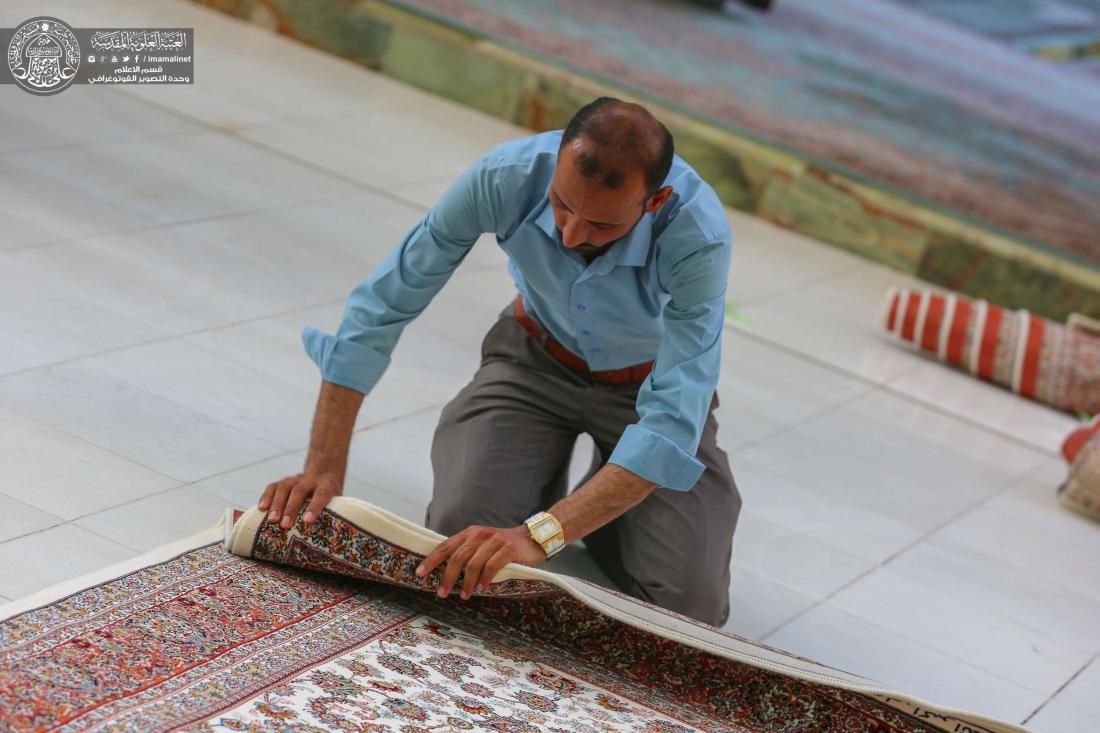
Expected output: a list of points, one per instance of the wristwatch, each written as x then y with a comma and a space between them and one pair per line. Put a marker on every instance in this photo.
546, 530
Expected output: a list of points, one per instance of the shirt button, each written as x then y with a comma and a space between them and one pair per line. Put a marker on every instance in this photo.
586, 332
594, 351
580, 307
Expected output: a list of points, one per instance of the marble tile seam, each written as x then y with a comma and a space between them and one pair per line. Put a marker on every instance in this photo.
74, 436
911, 640
817, 414
1062, 687
174, 336
889, 389
923, 537
382, 191
185, 484
152, 224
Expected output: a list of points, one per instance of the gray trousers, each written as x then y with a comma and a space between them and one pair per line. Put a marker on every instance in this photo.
501, 453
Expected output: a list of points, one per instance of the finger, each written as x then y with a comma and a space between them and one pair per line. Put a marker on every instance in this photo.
475, 565
455, 565
273, 489
278, 500
297, 496
321, 498
269, 493
265, 498
441, 552
493, 566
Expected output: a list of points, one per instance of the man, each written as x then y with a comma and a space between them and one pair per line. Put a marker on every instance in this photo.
620, 254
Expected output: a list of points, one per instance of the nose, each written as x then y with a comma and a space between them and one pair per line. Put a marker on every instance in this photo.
574, 233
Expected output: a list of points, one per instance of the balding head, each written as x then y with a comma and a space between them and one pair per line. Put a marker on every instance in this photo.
613, 160
614, 141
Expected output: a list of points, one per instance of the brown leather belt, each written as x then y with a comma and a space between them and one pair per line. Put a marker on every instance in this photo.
627, 375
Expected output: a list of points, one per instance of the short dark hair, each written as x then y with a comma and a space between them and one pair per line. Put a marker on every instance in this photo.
626, 138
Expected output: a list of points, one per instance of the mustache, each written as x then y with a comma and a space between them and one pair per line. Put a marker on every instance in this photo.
585, 244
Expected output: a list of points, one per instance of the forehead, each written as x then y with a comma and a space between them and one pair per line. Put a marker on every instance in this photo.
589, 197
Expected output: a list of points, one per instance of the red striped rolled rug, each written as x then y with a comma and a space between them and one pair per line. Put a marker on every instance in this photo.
1035, 357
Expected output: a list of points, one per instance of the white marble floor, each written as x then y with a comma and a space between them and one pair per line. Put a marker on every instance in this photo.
163, 247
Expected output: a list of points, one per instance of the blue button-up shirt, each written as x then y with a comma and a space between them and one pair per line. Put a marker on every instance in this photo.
657, 293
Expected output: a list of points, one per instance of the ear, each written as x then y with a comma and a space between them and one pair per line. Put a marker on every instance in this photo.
654, 203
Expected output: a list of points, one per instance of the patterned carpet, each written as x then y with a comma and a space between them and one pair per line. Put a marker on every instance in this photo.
330, 629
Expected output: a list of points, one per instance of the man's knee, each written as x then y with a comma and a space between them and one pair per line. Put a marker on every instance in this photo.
444, 520
492, 486
735, 501
693, 577
701, 592
458, 503
441, 515
461, 499
458, 499
700, 596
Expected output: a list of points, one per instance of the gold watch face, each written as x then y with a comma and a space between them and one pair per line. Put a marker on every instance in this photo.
543, 533
542, 528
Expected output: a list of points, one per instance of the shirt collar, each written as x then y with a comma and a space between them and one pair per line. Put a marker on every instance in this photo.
631, 249
545, 220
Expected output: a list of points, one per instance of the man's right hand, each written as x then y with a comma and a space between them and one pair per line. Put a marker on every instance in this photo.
284, 498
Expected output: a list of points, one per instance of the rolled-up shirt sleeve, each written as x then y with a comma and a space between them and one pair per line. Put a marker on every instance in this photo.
404, 283
674, 400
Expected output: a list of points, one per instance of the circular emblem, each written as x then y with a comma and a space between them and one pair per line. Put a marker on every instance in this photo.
44, 55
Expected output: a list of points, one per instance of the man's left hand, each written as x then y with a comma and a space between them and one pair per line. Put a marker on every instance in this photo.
481, 552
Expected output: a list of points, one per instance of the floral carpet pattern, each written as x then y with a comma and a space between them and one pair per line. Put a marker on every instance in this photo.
428, 675
328, 629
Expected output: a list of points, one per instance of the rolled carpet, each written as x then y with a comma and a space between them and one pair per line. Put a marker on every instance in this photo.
249, 627
1081, 489
1076, 440
1034, 357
